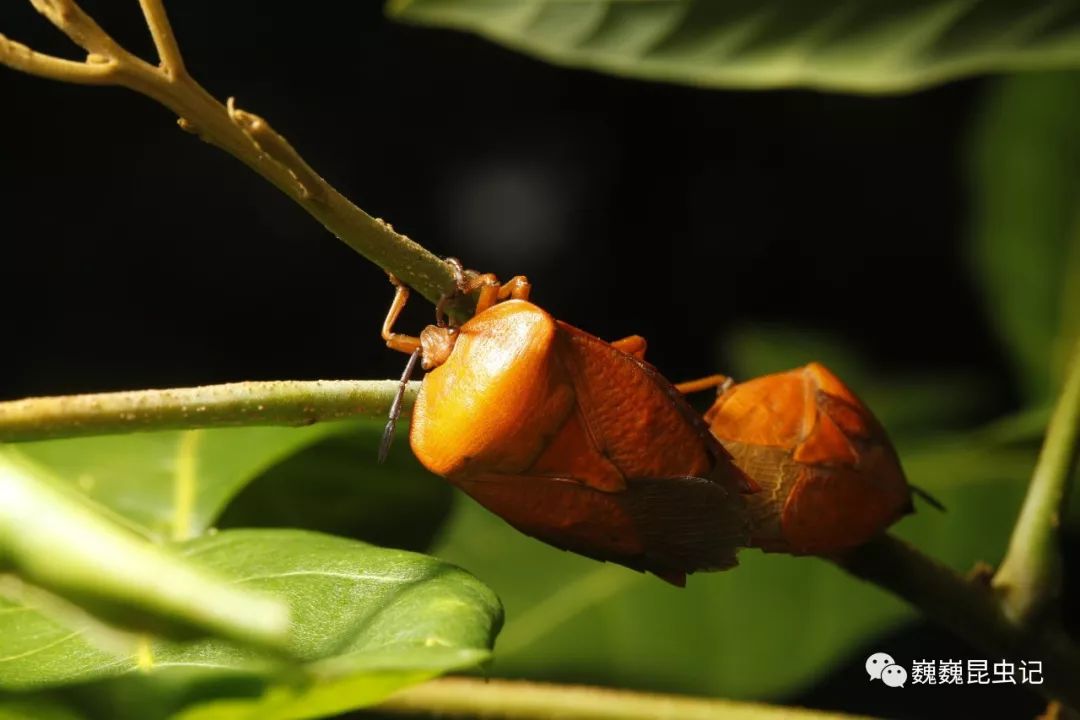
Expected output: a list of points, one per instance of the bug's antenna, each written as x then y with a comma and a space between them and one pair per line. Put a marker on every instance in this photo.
928, 498
395, 407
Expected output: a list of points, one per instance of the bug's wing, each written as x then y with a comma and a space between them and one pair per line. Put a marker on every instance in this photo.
688, 523
668, 526
637, 418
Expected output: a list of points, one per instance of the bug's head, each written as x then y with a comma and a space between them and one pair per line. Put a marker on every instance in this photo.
436, 343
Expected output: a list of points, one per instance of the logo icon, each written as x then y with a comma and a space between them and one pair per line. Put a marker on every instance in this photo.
894, 676
881, 666
878, 662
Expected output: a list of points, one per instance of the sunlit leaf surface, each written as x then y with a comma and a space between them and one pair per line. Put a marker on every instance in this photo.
869, 47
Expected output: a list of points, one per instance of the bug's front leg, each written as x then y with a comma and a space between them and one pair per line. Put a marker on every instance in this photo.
396, 341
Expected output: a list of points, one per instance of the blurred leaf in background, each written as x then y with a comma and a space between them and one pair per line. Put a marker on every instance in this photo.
1025, 239
916, 405
36, 709
866, 47
1024, 165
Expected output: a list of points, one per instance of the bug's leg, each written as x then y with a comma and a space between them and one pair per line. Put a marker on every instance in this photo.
460, 286
634, 345
518, 288
723, 382
397, 341
492, 292
489, 291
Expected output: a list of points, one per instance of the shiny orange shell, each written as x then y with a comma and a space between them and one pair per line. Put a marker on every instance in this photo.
829, 475
579, 444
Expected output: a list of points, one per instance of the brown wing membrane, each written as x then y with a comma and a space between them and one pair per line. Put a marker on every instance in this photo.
667, 526
689, 523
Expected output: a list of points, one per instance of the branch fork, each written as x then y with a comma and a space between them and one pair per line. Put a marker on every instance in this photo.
245, 135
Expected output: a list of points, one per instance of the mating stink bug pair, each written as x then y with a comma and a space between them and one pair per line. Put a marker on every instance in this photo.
582, 444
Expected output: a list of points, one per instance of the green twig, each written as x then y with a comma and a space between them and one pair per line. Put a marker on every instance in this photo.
516, 700
1029, 579
969, 608
283, 402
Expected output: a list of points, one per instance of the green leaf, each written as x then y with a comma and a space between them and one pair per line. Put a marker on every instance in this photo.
177, 483
1025, 170
366, 621
335, 486
53, 538
173, 485
36, 709
764, 629
867, 47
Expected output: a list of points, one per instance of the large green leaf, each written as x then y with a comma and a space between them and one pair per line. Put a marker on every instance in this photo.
366, 621
177, 484
1026, 240
52, 537
172, 485
763, 629
871, 46
335, 487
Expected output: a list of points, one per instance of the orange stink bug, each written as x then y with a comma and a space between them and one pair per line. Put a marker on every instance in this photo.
570, 439
830, 477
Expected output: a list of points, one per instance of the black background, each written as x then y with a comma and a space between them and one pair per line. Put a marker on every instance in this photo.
135, 256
